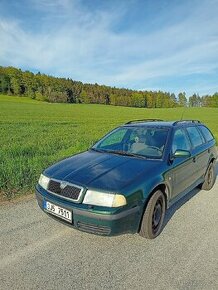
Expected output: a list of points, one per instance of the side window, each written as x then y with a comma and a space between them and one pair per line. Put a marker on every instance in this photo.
206, 132
180, 141
195, 136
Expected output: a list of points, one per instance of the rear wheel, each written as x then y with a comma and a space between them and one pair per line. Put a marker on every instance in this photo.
210, 177
153, 217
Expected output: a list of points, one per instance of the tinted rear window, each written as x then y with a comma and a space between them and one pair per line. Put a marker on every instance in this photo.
195, 136
206, 133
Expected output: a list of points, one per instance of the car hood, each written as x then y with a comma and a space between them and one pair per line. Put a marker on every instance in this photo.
103, 171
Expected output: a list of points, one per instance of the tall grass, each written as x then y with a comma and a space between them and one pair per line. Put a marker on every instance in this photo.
33, 134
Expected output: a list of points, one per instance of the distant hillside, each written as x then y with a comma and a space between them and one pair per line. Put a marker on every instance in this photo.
42, 87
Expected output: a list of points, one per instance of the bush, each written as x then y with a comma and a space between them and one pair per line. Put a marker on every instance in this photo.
40, 97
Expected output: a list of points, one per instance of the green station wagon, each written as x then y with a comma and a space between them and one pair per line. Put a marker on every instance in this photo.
128, 179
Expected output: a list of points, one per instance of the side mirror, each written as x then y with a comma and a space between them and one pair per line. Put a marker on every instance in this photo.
181, 153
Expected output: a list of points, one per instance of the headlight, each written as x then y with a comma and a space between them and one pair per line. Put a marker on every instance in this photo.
43, 181
104, 199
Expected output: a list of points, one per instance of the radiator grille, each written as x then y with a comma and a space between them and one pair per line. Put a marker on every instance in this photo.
69, 191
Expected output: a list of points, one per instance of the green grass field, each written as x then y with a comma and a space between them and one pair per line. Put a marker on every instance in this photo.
34, 134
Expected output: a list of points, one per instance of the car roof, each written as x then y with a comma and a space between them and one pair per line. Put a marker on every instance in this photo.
160, 123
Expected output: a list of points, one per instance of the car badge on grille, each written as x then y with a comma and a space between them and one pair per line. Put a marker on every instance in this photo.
63, 184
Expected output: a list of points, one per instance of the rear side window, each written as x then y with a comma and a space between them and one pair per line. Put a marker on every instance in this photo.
195, 136
206, 133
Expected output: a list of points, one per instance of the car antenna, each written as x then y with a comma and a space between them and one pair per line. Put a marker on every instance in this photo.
182, 114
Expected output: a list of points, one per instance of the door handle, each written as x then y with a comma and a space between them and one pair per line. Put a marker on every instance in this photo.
194, 159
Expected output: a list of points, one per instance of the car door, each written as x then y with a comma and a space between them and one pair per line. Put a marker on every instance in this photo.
199, 151
182, 169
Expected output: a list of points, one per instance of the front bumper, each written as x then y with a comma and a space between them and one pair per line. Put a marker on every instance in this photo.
92, 220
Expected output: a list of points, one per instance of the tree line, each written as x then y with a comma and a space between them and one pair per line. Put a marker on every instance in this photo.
42, 87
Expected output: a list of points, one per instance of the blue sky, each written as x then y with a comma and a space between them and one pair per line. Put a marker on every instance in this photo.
150, 45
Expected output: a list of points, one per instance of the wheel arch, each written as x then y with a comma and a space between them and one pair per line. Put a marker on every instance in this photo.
212, 160
162, 187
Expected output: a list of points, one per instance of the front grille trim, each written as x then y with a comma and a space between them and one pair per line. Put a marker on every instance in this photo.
67, 184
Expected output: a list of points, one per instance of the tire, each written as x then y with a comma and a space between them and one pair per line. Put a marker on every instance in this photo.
210, 177
153, 217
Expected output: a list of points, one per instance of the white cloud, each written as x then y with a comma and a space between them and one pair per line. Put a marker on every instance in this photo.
81, 44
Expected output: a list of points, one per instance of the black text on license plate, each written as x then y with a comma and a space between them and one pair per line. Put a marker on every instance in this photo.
56, 210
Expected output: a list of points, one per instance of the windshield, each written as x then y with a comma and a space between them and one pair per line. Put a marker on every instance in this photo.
134, 141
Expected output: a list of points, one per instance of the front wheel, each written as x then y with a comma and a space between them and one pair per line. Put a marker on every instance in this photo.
153, 217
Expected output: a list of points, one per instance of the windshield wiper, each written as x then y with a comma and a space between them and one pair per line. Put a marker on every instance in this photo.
97, 150
125, 153
119, 152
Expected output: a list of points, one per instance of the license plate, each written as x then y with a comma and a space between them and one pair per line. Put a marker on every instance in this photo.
56, 210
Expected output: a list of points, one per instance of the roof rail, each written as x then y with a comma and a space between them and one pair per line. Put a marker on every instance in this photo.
143, 120
186, 121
